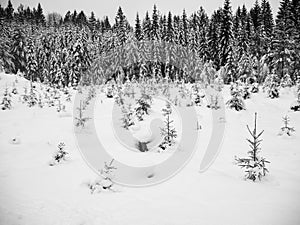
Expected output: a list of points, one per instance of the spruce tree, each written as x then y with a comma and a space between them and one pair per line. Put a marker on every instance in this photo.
225, 32
9, 11
138, 28
254, 165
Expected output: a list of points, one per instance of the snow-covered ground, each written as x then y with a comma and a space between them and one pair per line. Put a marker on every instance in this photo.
34, 193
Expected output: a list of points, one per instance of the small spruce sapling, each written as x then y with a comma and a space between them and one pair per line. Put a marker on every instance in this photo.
236, 102
286, 129
6, 101
127, 118
246, 92
60, 155
60, 107
81, 120
296, 105
254, 165
14, 89
214, 102
32, 99
104, 181
143, 106
168, 132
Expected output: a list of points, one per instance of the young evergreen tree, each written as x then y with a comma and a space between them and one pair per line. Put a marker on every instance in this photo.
254, 165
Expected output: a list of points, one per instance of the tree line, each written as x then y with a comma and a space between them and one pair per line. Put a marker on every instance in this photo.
61, 49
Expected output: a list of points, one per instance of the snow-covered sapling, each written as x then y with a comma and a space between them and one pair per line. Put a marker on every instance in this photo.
40, 102
214, 102
254, 165
254, 88
286, 81
236, 102
143, 106
295, 106
14, 89
246, 92
104, 181
6, 100
119, 98
81, 120
60, 155
60, 107
286, 129
273, 91
127, 118
32, 99
168, 132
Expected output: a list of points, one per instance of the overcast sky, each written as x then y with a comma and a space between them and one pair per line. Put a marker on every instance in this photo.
131, 7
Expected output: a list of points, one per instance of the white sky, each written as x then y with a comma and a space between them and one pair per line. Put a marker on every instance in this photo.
131, 7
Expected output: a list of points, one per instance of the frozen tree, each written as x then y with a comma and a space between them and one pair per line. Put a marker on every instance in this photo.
254, 165
286, 129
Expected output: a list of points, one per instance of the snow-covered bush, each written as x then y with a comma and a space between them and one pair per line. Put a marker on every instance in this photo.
104, 181
254, 165
6, 100
60, 156
286, 129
